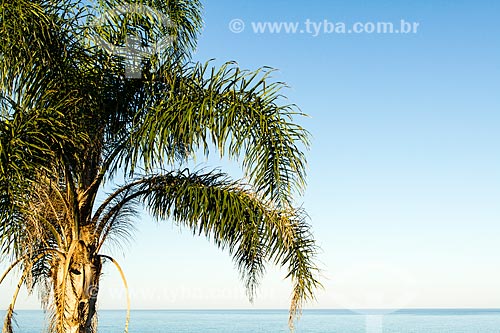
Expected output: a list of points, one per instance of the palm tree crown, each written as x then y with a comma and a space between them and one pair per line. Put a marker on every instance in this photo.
71, 118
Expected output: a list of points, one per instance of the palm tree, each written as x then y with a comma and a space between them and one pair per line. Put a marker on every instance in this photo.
71, 120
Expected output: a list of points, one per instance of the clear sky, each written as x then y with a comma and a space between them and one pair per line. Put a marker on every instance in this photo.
404, 170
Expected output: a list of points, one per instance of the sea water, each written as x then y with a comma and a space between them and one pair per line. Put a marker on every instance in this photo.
275, 321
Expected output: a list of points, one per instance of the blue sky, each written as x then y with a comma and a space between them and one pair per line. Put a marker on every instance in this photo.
404, 169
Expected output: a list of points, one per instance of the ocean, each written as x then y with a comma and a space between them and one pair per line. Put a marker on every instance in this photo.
275, 321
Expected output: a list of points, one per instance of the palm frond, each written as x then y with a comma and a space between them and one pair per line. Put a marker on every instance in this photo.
234, 218
239, 112
118, 214
125, 284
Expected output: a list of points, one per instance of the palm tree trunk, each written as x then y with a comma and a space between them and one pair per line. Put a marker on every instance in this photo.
76, 291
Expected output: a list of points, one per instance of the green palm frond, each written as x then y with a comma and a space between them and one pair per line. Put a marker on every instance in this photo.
34, 145
239, 112
233, 217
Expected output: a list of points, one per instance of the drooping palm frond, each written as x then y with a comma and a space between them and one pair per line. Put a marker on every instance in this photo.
196, 106
125, 284
116, 223
30, 262
235, 218
33, 146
